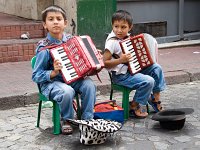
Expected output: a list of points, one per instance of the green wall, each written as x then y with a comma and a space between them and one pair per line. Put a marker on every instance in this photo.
94, 19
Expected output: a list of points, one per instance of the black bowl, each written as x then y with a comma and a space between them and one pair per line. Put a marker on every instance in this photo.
172, 119
173, 125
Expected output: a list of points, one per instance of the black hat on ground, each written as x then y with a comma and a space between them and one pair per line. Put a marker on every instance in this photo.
172, 119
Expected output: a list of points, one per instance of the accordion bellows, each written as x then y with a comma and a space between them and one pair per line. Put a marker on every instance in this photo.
143, 49
79, 58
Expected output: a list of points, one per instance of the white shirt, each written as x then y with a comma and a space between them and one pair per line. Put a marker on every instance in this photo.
112, 44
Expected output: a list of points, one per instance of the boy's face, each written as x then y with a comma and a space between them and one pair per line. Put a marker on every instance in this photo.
121, 28
55, 23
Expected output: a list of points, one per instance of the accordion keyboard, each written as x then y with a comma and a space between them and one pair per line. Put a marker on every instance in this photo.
133, 62
68, 71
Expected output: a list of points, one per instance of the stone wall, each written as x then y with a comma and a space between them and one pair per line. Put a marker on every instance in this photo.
31, 9
70, 6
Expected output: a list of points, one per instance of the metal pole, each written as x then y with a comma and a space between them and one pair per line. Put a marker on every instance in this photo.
181, 19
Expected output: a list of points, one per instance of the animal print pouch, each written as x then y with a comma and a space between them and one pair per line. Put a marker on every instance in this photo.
96, 131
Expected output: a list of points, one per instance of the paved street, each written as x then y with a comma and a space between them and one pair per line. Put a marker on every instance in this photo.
18, 131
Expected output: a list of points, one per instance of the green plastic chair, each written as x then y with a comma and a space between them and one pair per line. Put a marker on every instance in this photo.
125, 96
56, 111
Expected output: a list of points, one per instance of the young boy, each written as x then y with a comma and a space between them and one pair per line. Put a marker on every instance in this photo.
147, 81
47, 72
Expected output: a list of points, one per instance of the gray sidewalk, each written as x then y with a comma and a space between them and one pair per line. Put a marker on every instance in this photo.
18, 131
180, 62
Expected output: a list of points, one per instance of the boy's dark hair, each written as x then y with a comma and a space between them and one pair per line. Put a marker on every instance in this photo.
53, 8
122, 15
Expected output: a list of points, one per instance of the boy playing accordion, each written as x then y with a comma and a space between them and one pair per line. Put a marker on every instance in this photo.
148, 83
47, 72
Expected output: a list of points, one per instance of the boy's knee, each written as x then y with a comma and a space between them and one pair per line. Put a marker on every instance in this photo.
157, 67
66, 94
150, 82
70, 92
90, 85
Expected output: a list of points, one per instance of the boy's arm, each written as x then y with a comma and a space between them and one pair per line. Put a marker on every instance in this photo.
110, 63
40, 72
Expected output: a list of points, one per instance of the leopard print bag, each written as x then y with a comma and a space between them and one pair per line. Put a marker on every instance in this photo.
96, 131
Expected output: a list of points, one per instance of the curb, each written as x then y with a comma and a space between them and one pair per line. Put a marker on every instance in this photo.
178, 44
176, 77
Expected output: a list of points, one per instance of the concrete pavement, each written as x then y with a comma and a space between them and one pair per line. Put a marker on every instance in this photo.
18, 131
180, 62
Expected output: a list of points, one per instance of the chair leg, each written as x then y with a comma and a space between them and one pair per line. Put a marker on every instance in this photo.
111, 94
147, 106
78, 107
39, 113
56, 118
125, 104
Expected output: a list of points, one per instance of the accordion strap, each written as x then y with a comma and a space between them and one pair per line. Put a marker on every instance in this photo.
48, 47
98, 77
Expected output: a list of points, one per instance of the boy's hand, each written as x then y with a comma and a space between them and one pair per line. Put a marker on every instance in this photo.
57, 66
125, 58
100, 53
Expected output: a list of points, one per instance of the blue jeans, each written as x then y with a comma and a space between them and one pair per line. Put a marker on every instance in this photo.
147, 81
64, 94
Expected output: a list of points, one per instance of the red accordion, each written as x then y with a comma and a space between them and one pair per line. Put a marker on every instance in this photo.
140, 52
79, 58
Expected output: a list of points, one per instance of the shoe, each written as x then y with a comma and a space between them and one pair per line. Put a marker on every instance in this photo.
66, 128
155, 104
139, 109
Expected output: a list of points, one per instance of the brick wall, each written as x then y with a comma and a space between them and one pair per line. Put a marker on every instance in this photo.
14, 31
17, 52
12, 47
